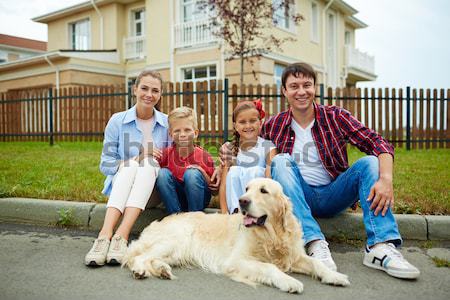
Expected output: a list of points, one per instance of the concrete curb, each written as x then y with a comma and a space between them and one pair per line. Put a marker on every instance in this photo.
90, 216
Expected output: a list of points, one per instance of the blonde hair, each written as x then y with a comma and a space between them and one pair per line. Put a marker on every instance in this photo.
183, 112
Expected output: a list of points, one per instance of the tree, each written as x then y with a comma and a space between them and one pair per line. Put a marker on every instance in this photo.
244, 25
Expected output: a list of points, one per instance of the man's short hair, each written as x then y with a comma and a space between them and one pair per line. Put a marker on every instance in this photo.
296, 69
183, 112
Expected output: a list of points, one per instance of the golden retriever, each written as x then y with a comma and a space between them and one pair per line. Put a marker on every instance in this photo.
257, 246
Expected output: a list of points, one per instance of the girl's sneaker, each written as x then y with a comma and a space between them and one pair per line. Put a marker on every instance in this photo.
117, 250
385, 257
97, 255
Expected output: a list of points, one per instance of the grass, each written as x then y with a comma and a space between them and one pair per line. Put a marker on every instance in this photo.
441, 263
69, 171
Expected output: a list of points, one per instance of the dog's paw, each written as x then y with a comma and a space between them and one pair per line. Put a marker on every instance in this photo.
290, 285
336, 278
141, 274
162, 270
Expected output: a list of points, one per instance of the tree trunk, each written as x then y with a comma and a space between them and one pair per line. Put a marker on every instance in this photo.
242, 69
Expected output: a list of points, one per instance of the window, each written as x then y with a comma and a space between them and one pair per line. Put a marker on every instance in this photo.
282, 14
200, 73
80, 35
3, 56
277, 72
138, 22
315, 26
348, 37
190, 11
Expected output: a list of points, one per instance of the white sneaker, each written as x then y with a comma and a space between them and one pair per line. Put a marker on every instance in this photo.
385, 257
117, 250
97, 255
319, 249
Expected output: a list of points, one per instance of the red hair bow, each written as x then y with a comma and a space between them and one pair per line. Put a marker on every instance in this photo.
259, 107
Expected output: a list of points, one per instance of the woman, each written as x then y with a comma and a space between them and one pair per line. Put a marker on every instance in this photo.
133, 141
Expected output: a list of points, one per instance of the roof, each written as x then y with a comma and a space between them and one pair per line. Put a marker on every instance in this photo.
19, 42
107, 56
80, 7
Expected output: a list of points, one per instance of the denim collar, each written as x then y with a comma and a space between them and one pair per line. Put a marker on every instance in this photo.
130, 116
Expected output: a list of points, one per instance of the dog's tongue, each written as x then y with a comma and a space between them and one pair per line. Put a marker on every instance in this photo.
249, 220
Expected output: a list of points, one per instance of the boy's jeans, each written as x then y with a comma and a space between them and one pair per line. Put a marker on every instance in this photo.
192, 194
326, 201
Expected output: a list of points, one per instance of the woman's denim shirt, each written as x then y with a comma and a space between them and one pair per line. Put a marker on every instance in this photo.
123, 140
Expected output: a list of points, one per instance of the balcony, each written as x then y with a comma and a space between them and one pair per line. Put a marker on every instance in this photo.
135, 47
193, 33
359, 64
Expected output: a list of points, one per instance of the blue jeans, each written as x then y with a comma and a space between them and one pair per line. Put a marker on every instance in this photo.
192, 194
329, 200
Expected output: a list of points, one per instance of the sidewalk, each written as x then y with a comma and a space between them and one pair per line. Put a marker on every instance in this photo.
89, 216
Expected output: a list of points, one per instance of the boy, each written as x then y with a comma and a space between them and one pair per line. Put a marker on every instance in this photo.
186, 169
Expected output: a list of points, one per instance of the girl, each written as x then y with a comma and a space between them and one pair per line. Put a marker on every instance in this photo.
252, 155
133, 138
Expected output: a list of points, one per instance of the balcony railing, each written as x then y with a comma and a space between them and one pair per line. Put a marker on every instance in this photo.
193, 33
359, 60
135, 47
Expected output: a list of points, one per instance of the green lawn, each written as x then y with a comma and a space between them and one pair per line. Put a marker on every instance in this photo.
69, 171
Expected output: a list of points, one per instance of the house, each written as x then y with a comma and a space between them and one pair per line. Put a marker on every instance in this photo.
111, 41
14, 48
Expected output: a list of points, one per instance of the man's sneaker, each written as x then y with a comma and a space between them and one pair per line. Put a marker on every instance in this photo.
117, 250
319, 249
97, 255
385, 257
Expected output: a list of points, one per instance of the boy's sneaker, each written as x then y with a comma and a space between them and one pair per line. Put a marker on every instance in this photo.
97, 255
117, 250
385, 257
319, 249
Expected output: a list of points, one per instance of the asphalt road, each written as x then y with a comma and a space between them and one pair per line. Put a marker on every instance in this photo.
47, 263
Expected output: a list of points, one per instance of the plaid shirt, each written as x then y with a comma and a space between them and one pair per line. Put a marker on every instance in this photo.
334, 127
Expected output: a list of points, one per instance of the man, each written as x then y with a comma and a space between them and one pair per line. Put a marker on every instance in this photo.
314, 172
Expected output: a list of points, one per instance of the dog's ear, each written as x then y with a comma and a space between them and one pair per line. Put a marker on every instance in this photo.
284, 205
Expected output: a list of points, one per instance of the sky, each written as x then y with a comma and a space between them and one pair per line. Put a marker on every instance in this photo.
409, 38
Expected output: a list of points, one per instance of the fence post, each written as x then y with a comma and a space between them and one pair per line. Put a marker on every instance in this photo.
50, 113
225, 110
408, 118
130, 96
322, 92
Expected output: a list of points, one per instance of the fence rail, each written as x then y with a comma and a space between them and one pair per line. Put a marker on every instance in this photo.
411, 118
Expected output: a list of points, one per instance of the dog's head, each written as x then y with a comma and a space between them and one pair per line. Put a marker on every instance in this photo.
264, 199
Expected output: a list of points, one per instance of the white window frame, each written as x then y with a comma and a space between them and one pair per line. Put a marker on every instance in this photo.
196, 14
279, 18
315, 22
87, 45
193, 67
134, 22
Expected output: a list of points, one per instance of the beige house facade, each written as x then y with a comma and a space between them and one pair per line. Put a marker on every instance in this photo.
111, 41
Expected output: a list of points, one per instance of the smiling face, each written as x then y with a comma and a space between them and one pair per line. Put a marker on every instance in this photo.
148, 92
182, 132
300, 92
248, 124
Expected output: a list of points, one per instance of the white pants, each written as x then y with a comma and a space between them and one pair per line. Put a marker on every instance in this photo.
237, 180
133, 184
